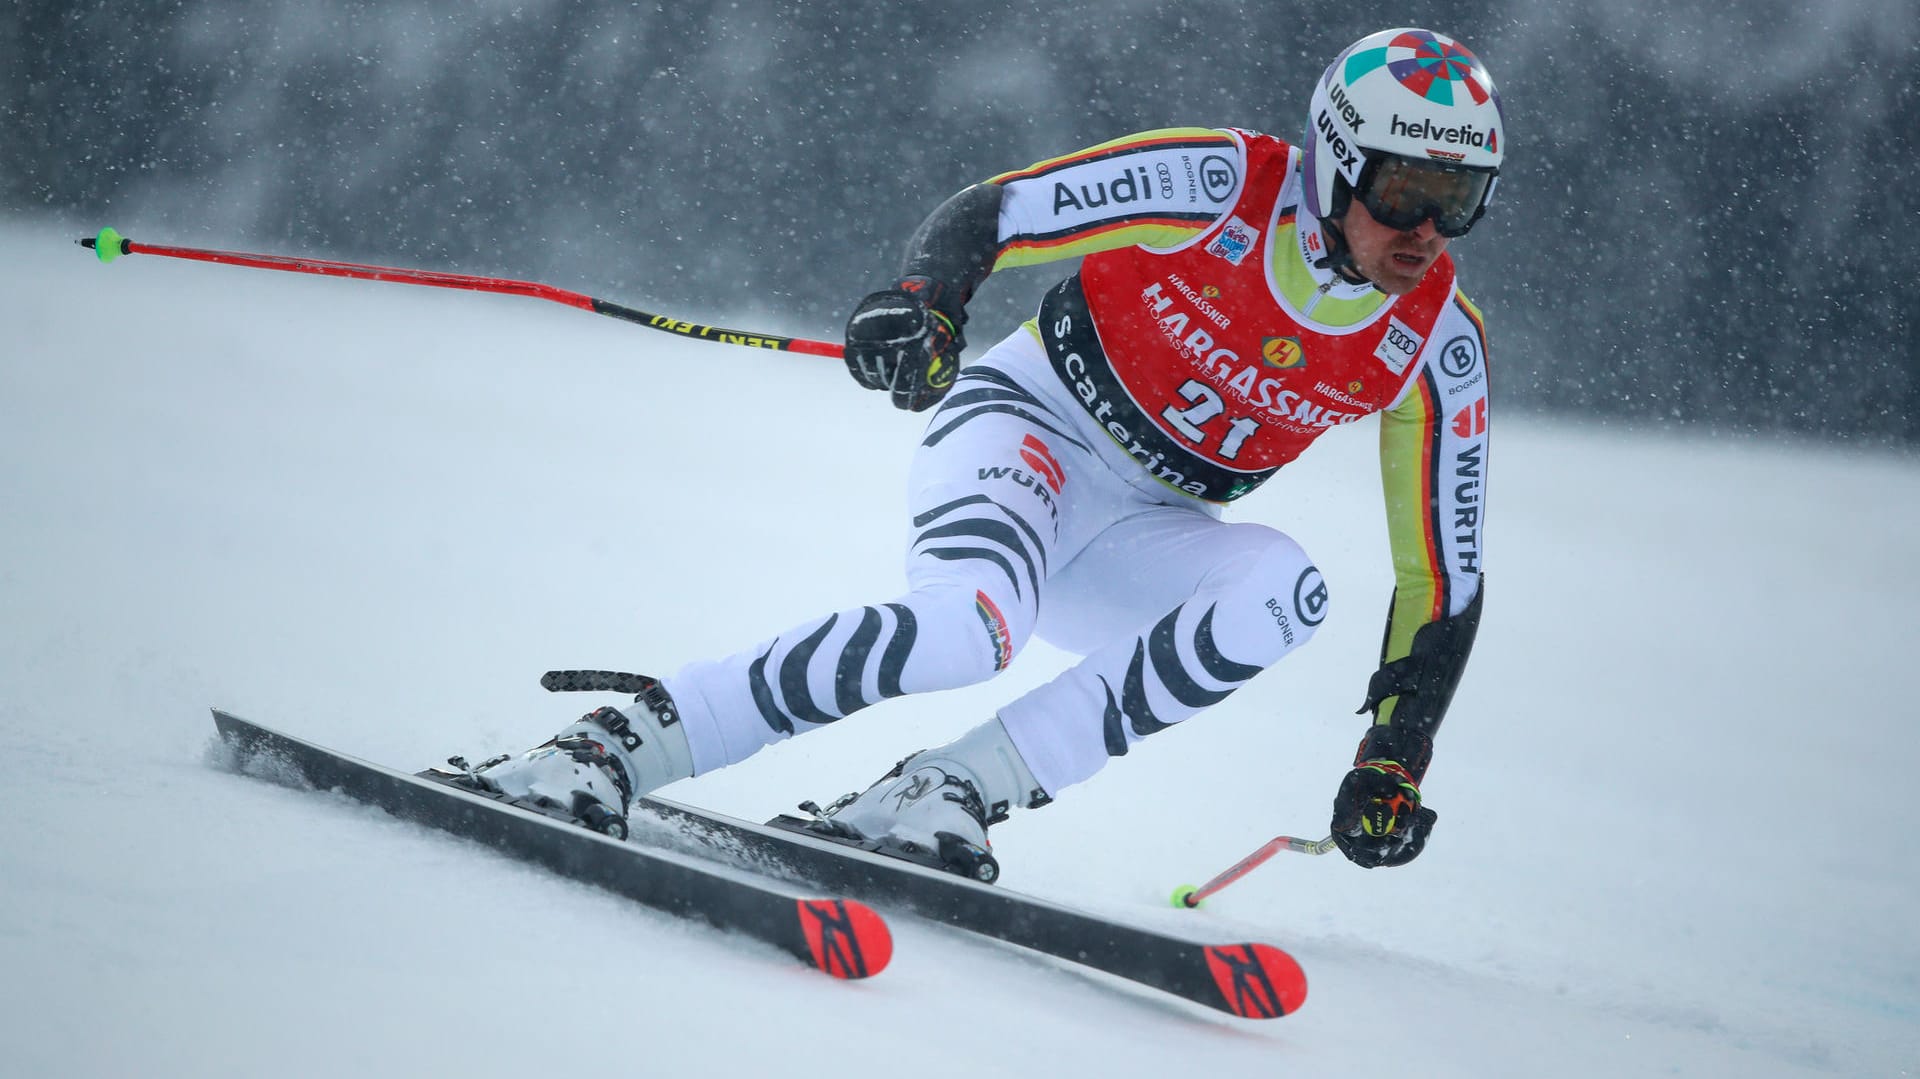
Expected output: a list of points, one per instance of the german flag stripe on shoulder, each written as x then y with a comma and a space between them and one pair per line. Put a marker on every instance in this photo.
1151, 230
1472, 311
1197, 138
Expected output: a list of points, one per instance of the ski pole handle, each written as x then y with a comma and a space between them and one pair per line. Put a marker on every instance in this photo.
1188, 896
110, 245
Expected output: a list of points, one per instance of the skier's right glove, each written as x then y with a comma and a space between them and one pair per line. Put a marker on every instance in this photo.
1378, 819
907, 341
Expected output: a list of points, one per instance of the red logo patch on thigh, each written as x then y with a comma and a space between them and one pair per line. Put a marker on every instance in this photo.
997, 630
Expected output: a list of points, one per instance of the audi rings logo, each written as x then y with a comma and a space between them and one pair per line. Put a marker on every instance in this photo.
1218, 176
1310, 596
1460, 356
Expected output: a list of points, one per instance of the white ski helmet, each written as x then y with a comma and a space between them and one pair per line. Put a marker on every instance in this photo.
1418, 105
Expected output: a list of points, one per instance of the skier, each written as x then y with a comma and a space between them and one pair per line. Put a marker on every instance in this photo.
1238, 297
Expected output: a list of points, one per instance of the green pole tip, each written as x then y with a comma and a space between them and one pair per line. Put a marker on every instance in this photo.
109, 245
1181, 896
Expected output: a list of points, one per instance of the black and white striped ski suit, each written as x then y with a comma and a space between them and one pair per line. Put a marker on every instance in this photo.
1028, 517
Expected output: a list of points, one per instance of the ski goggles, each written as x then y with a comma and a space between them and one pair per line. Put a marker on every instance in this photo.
1400, 192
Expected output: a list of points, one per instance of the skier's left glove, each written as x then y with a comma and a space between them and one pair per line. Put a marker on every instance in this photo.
907, 341
1378, 818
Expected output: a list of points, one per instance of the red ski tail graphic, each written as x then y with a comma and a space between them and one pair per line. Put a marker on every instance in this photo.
1257, 981
848, 939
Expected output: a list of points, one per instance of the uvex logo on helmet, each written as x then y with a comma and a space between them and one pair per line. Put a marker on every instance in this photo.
1338, 95
1343, 152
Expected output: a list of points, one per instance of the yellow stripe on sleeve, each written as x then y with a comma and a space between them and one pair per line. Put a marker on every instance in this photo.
1144, 140
1408, 443
1103, 238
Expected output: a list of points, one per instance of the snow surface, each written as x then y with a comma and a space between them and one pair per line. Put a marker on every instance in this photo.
1673, 792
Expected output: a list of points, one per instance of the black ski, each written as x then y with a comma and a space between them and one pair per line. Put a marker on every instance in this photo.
1255, 981
839, 936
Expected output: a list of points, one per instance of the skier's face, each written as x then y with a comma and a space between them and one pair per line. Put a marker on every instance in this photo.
1392, 259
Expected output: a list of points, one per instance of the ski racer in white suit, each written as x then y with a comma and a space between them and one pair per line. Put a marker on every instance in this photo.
1237, 297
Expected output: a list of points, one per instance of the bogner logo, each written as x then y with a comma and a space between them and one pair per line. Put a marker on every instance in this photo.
1464, 135
1218, 177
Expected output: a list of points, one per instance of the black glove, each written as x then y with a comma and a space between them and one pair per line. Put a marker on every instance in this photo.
907, 341
1377, 816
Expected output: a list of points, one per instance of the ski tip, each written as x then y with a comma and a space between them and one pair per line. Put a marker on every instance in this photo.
1257, 981
847, 939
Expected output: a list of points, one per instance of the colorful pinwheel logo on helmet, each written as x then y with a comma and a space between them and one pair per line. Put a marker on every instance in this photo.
1427, 65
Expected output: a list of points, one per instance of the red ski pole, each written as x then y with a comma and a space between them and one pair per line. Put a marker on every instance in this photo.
1188, 896
110, 245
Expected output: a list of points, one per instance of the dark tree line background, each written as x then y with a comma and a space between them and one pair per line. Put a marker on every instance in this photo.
1708, 216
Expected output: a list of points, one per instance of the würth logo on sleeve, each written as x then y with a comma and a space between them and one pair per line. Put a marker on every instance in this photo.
1471, 421
1035, 453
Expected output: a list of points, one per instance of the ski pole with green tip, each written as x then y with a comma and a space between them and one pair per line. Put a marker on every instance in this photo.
1188, 896
110, 245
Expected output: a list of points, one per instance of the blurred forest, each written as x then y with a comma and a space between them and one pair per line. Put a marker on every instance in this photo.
1705, 218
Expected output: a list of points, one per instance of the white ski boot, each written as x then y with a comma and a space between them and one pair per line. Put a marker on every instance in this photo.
934, 808
594, 769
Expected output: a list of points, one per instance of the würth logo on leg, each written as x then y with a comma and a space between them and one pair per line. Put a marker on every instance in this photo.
1471, 421
1035, 453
